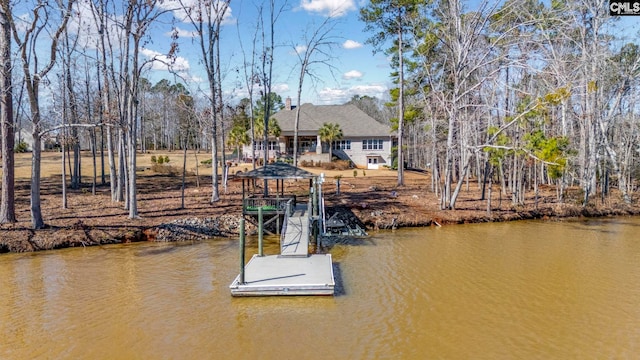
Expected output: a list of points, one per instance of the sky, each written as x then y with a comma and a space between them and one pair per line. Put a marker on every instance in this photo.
353, 68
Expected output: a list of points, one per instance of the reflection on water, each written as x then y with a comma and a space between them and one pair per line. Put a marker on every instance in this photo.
494, 291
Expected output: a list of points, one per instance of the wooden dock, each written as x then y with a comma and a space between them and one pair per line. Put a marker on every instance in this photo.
294, 271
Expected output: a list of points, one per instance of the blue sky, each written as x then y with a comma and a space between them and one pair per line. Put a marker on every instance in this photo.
354, 68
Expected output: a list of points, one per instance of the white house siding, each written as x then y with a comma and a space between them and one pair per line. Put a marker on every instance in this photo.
356, 127
360, 156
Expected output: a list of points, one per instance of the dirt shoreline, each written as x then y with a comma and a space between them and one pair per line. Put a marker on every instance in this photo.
376, 201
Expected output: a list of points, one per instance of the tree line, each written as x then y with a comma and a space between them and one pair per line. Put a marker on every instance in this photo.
516, 92
520, 92
88, 55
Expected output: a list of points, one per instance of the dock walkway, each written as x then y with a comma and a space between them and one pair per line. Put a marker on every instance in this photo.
295, 238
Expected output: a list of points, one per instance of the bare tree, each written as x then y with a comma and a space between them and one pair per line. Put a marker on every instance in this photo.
107, 114
7, 203
315, 50
266, 71
250, 79
43, 17
140, 15
206, 18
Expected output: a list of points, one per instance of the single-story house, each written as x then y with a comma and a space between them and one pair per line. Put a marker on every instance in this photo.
365, 141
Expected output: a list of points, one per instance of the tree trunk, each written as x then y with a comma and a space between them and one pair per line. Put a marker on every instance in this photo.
133, 133
184, 174
7, 201
121, 167
94, 141
112, 165
36, 210
64, 171
400, 107
215, 192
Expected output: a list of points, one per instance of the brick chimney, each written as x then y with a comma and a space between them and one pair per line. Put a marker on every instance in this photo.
287, 103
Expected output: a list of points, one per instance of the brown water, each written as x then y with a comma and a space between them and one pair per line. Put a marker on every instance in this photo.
523, 290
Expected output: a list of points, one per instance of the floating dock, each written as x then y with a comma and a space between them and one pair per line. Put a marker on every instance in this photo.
282, 275
294, 271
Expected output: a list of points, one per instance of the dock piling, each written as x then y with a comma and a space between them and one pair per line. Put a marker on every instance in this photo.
260, 231
241, 279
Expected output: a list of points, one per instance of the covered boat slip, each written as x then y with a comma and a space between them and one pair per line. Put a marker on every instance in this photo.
294, 271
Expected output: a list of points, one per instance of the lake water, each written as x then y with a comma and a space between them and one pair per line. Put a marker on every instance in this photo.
519, 290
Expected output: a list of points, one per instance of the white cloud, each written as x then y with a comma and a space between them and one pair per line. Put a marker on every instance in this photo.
353, 74
182, 33
351, 44
343, 95
83, 24
188, 78
183, 8
161, 61
300, 49
280, 88
334, 8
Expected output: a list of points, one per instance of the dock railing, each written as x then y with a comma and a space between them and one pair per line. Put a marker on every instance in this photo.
289, 207
269, 205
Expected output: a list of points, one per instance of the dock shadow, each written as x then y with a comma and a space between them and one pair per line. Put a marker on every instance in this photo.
339, 289
328, 242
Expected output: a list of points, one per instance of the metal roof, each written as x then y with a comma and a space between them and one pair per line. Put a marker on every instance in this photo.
278, 170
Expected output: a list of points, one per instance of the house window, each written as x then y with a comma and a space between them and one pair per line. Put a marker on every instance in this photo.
372, 144
341, 145
273, 145
372, 160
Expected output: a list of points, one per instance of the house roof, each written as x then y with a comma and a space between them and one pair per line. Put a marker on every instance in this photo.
352, 121
278, 170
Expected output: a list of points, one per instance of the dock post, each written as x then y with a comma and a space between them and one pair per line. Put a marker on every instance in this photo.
260, 231
315, 198
241, 278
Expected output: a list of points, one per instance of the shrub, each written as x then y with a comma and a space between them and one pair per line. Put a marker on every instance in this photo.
328, 166
166, 159
160, 160
342, 164
364, 173
153, 159
165, 169
21, 147
355, 173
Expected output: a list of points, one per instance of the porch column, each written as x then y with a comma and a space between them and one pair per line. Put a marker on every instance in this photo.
318, 145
